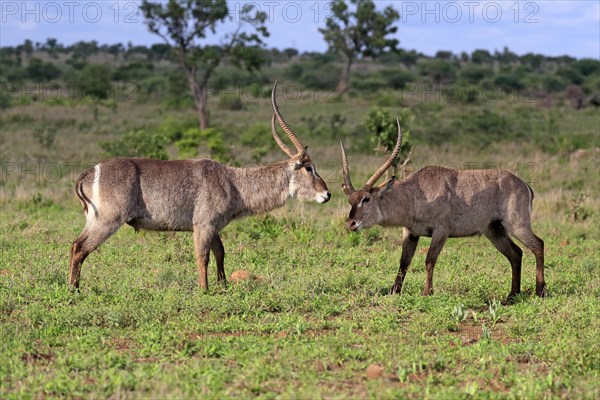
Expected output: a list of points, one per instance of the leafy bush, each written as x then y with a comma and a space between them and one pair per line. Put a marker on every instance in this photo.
96, 81
231, 103
137, 144
324, 77
153, 87
397, 78
587, 66
172, 128
257, 139
367, 82
508, 82
41, 71
317, 73
133, 71
212, 138
483, 127
481, 57
178, 93
570, 75
188, 143
383, 131
438, 70
553, 83
461, 93
293, 72
475, 73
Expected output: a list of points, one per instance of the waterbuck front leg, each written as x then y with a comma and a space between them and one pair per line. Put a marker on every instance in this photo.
438, 239
202, 241
409, 246
219, 252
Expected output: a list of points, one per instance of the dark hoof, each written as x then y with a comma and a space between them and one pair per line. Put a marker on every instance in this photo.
512, 298
541, 292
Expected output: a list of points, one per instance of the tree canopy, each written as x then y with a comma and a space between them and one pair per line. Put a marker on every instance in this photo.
185, 24
358, 31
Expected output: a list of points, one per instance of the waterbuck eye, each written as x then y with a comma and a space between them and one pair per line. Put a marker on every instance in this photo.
309, 169
366, 199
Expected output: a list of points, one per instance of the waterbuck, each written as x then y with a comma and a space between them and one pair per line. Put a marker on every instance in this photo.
199, 195
440, 203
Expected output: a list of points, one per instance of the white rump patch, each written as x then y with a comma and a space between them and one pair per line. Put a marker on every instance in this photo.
95, 200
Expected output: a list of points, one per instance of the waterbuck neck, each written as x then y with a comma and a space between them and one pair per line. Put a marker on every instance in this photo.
395, 204
262, 188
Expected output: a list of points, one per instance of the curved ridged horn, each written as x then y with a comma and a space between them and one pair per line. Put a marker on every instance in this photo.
288, 131
348, 188
387, 162
278, 140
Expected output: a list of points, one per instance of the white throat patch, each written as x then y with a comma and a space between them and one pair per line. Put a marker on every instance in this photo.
292, 187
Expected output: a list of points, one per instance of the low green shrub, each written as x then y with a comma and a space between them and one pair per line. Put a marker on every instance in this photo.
139, 143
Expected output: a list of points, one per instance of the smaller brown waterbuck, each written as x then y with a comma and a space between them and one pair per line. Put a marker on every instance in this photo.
440, 203
199, 195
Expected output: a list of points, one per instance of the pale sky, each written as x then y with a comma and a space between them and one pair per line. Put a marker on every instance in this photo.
548, 27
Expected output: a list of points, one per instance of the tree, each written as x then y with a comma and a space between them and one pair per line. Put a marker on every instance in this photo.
52, 47
384, 133
96, 80
362, 32
480, 56
28, 47
444, 55
440, 71
41, 71
183, 24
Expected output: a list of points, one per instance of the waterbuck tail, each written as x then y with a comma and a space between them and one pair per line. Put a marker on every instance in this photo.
80, 193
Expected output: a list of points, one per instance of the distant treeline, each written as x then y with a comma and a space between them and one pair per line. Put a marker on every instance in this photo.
155, 72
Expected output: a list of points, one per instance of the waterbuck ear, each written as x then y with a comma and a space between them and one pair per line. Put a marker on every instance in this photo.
388, 184
304, 152
299, 159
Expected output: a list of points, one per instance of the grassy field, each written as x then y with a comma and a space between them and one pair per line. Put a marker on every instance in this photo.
316, 313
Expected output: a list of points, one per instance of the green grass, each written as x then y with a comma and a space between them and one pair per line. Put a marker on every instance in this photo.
317, 313
316, 316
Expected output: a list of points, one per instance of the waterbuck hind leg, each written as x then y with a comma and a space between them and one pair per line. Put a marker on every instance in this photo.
219, 252
202, 242
497, 234
526, 236
75, 261
409, 246
437, 243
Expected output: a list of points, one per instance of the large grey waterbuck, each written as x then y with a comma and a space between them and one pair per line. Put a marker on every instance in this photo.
199, 195
440, 203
